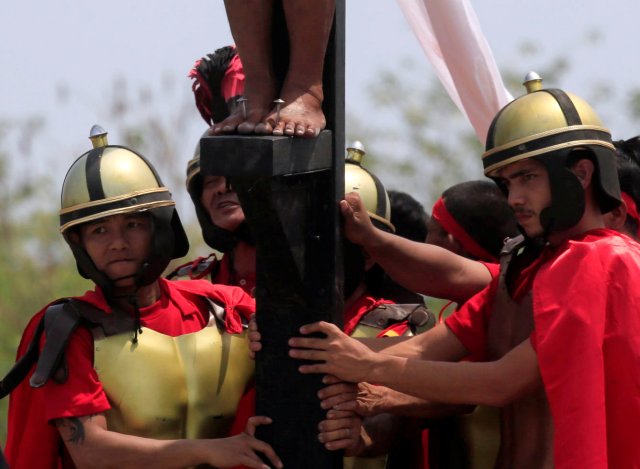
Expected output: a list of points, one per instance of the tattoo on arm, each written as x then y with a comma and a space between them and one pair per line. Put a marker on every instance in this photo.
74, 428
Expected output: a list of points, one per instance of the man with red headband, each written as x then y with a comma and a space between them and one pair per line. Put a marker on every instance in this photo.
557, 332
470, 221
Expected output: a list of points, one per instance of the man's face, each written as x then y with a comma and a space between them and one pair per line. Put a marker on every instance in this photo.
118, 245
221, 203
529, 193
438, 236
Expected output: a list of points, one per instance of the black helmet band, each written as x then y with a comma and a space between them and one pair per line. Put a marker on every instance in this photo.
139, 201
547, 142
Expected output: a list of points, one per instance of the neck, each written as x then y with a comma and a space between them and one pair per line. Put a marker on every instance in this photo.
145, 295
244, 259
591, 220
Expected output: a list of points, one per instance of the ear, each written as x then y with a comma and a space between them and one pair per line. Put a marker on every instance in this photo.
74, 236
584, 169
455, 245
616, 218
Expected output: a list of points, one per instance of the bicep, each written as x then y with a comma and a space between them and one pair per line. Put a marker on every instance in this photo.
80, 435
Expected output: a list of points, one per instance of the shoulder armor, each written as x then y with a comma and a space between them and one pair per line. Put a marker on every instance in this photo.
418, 316
196, 269
58, 323
511, 244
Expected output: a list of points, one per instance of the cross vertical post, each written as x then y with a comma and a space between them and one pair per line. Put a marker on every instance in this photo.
289, 190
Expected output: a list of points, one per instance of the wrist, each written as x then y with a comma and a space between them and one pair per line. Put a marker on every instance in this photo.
377, 365
376, 241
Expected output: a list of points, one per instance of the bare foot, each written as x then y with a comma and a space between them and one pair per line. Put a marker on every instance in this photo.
245, 117
301, 114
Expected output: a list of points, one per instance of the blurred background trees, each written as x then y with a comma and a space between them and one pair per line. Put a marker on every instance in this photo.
416, 142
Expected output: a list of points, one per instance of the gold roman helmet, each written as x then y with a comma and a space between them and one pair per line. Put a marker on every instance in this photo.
218, 238
555, 128
112, 180
368, 186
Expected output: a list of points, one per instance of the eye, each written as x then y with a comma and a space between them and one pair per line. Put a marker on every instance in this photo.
138, 222
503, 183
98, 229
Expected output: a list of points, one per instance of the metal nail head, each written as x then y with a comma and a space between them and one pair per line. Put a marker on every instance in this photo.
243, 103
279, 103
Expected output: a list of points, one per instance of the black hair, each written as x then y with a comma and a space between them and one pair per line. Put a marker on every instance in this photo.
408, 216
481, 209
410, 221
628, 165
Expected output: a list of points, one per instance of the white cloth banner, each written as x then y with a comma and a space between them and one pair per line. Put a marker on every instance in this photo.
450, 35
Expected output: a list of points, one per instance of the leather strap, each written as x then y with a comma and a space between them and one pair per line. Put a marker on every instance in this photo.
417, 315
59, 324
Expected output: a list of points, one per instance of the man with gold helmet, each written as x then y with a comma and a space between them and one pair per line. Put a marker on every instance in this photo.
558, 330
140, 371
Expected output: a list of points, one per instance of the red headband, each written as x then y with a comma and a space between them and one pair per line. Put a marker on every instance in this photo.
632, 209
442, 216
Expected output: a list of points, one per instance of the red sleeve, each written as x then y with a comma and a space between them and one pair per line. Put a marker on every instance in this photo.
469, 323
31, 441
492, 267
82, 393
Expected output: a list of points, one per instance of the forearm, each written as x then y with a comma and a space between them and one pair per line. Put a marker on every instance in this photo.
405, 405
438, 344
93, 447
492, 383
428, 269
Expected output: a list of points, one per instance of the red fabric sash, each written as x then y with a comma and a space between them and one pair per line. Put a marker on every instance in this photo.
442, 216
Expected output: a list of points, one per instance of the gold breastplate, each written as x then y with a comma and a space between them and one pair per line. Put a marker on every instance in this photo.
173, 387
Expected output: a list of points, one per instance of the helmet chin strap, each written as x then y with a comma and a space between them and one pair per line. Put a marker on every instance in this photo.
132, 297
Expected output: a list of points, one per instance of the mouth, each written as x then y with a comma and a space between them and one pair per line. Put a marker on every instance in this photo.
120, 261
227, 204
522, 216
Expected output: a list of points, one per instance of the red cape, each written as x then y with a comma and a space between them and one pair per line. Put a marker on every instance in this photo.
586, 304
32, 442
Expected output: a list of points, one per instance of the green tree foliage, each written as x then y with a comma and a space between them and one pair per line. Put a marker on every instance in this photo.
35, 265
417, 141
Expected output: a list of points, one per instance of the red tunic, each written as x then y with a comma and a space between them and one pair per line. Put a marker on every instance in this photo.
33, 441
218, 270
587, 338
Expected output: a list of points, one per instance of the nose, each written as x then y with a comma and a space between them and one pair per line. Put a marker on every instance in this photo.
118, 240
223, 187
515, 197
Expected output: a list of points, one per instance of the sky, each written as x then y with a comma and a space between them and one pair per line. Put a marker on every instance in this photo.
85, 44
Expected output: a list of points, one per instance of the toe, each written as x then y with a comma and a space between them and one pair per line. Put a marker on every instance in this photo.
246, 128
312, 132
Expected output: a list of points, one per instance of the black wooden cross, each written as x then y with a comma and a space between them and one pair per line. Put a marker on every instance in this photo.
289, 189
